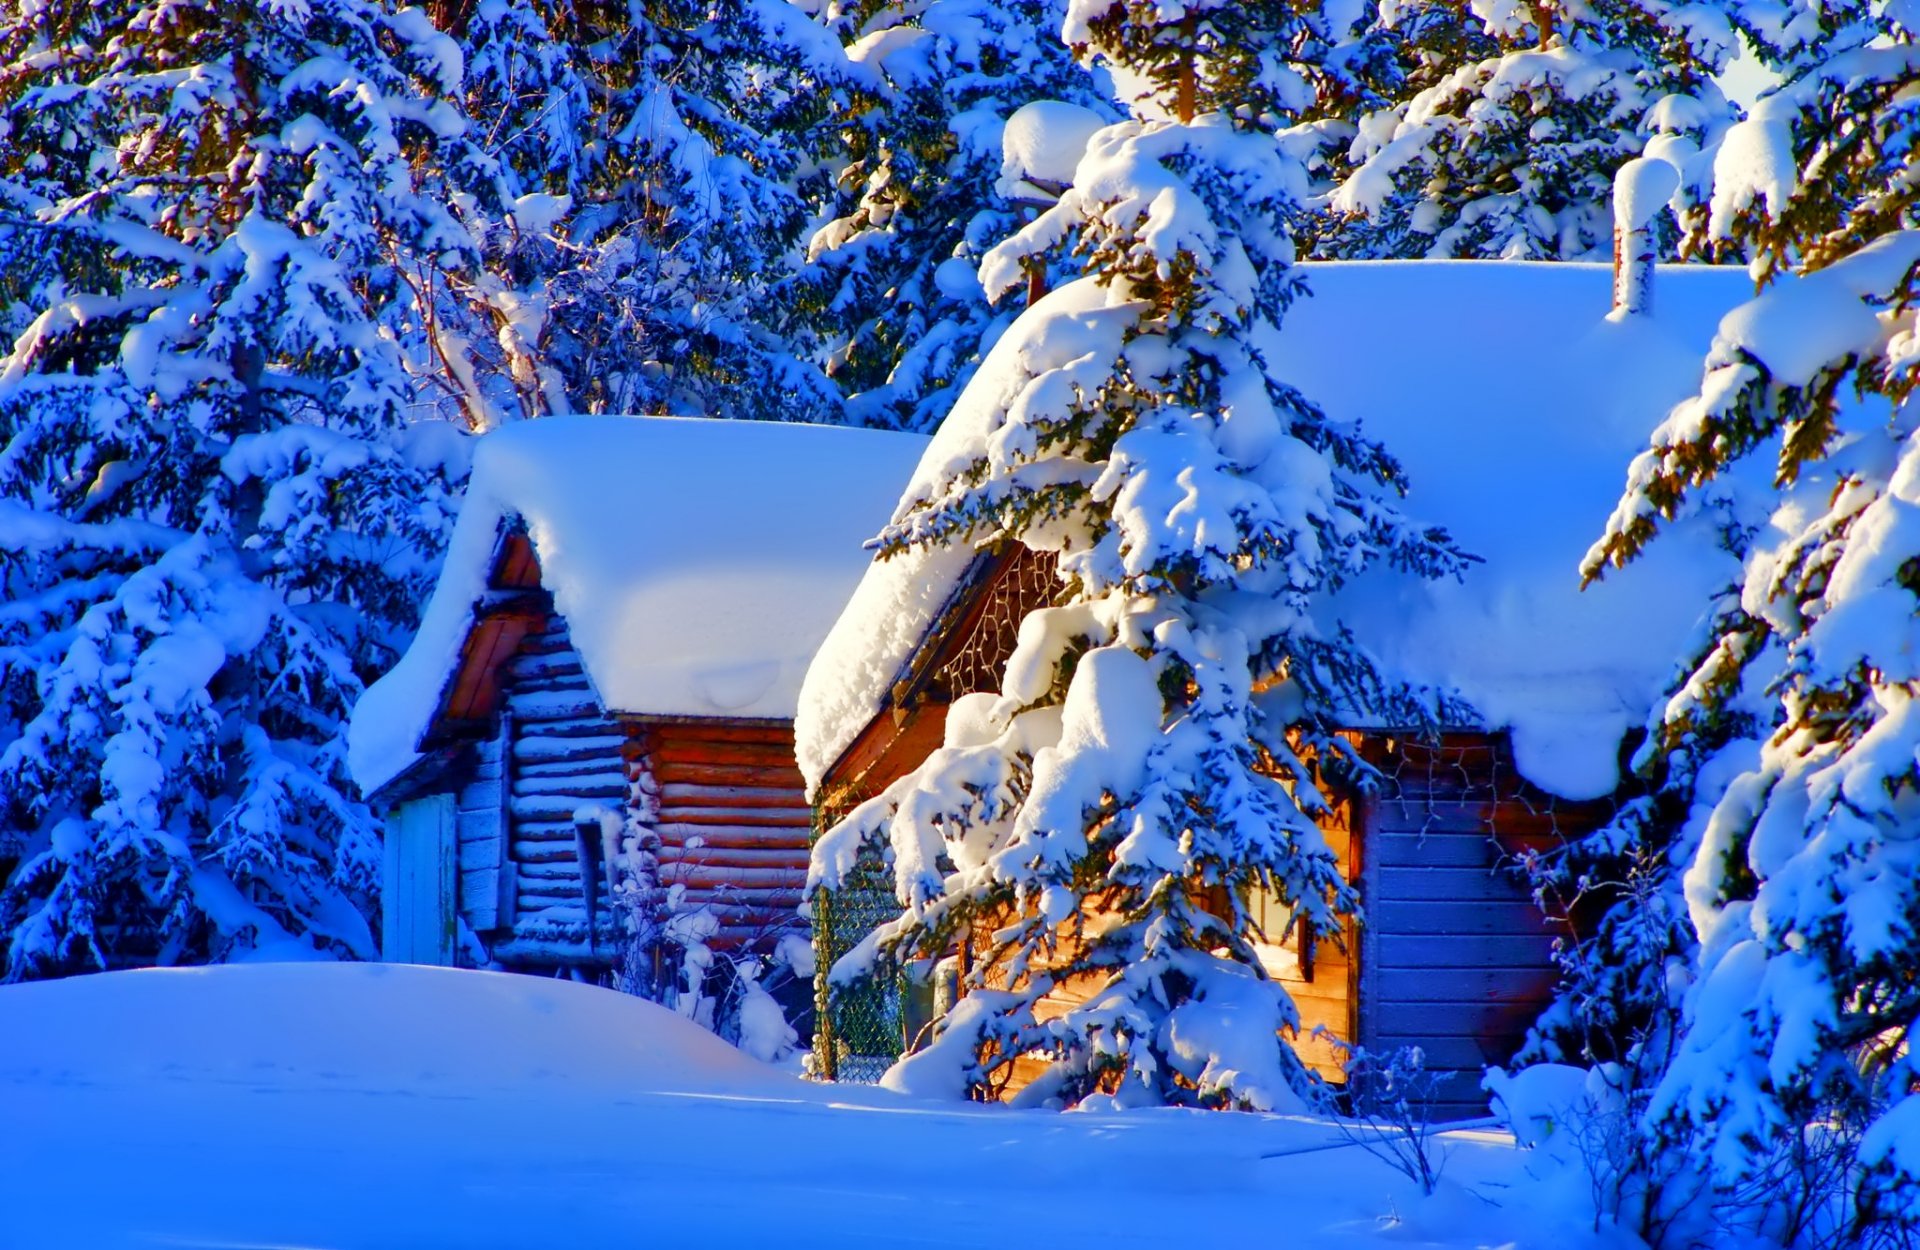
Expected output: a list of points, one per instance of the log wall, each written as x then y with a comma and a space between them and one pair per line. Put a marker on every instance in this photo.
733, 822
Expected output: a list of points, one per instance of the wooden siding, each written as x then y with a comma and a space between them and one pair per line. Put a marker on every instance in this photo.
1458, 957
732, 819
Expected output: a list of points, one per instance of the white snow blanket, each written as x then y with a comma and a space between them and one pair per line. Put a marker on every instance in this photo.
382, 1105
697, 563
1515, 405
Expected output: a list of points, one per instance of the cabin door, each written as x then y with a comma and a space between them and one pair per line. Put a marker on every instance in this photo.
417, 888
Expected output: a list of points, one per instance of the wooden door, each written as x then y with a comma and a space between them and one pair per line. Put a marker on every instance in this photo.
417, 888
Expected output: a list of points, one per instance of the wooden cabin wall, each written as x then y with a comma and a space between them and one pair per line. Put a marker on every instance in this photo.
565, 754
1456, 956
733, 822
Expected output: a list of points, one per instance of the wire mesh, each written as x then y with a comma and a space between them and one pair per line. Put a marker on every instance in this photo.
860, 1028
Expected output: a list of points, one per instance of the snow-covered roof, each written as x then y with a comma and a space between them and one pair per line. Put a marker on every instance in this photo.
1515, 405
697, 563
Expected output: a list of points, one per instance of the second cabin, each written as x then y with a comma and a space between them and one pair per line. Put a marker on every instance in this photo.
1514, 403
593, 726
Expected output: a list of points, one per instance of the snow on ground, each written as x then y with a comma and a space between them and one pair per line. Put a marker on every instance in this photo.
343, 1105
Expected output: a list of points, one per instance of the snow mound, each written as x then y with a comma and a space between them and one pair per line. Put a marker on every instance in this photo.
364, 1028
698, 563
1043, 142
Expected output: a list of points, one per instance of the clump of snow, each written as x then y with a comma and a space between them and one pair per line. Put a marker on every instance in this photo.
1512, 402
697, 563
1043, 142
1641, 188
1754, 161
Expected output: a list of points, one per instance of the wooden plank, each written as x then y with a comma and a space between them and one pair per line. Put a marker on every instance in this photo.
1455, 1053
1468, 885
1464, 985
1500, 1023
1392, 916
1450, 850
1454, 950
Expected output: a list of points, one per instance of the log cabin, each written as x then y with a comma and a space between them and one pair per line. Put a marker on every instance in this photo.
596, 713
1514, 400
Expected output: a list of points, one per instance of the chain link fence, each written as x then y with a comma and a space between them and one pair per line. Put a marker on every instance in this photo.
860, 1029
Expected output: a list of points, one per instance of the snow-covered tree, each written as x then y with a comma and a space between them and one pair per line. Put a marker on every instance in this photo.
891, 287
1803, 894
1147, 762
1507, 122
655, 158
213, 514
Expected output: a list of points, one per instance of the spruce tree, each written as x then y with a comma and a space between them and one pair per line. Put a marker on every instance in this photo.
657, 161
1793, 1028
891, 287
214, 515
1146, 764
1506, 123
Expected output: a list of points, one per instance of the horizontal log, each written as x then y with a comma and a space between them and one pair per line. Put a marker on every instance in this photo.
783, 777
735, 796
604, 786
480, 896
551, 870
531, 743
733, 754
479, 824
680, 830
736, 817
480, 853
667, 733
588, 763
555, 807
798, 842
534, 707
529, 852
478, 796
710, 876
739, 856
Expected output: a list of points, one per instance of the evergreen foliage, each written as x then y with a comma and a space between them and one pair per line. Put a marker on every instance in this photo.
1789, 756
1147, 764
1505, 123
891, 287
214, 524
657, 160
